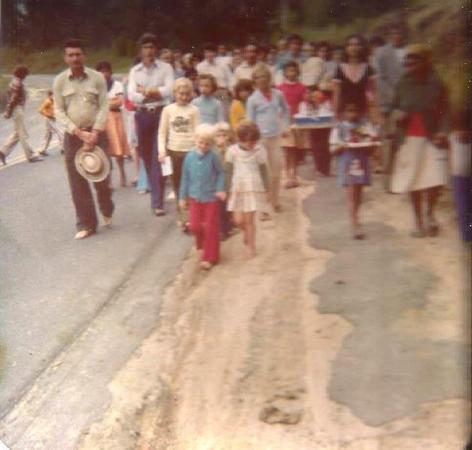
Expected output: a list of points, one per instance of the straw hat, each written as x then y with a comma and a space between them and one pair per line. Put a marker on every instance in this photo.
93, 165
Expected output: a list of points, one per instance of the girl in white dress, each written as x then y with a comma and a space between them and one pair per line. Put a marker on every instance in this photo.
247, 181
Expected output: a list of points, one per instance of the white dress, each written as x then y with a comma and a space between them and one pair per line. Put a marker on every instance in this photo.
247, 192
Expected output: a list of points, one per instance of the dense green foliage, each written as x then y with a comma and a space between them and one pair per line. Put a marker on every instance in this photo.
34, 24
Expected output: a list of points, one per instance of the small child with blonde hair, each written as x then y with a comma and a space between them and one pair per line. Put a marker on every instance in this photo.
247, 179
176, 134
201, 189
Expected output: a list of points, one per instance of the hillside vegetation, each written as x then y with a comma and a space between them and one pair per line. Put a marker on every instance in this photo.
441, 23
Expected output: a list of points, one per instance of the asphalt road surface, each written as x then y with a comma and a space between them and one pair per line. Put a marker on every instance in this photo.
52, 287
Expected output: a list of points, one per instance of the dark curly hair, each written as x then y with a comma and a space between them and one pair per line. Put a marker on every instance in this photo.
21, 72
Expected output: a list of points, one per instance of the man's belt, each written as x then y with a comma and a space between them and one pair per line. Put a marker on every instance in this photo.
149, 109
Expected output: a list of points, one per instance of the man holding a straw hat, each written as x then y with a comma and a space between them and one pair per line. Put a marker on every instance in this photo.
81, 105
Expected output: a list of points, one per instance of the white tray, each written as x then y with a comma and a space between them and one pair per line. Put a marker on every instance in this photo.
363, 144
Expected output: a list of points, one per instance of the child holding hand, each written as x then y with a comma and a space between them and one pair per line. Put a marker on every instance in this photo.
246, 167
352, 139
222, 143
201, 189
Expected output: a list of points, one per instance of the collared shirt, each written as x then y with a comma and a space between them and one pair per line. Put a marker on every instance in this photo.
227, 60
271, 116
202, 176
220, 71
159, 75
211, 109
312, 71
388, 63
244, 71
81, 102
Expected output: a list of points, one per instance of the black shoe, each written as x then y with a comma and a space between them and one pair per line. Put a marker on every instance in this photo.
3, 159
35, 158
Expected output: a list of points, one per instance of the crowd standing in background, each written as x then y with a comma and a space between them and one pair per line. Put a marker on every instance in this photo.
225, 120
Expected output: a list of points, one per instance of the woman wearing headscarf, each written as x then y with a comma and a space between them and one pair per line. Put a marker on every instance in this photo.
421, 111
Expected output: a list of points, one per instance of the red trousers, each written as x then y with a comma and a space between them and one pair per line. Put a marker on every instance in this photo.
205, 224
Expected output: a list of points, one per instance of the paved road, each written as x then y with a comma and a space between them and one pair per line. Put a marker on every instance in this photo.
37, 86
52, 287
392, 363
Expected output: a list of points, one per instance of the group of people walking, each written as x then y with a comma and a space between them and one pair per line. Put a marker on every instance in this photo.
225, 126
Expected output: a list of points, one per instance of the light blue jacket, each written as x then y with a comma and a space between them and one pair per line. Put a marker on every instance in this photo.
202, 177
272, 117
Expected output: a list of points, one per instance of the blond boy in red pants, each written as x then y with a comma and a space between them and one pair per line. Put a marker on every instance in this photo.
201, 188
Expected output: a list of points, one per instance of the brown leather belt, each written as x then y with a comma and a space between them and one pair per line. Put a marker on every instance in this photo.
152, 109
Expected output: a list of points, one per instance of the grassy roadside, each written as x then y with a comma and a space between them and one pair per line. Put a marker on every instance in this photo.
51, 61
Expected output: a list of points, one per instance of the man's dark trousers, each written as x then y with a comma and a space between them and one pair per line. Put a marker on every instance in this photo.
80, 187
147, 124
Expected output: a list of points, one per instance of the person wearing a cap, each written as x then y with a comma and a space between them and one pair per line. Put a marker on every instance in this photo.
81, 105
150, 85
420, 107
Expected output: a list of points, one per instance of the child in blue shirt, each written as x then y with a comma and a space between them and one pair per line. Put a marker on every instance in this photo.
202, 188
211, 109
